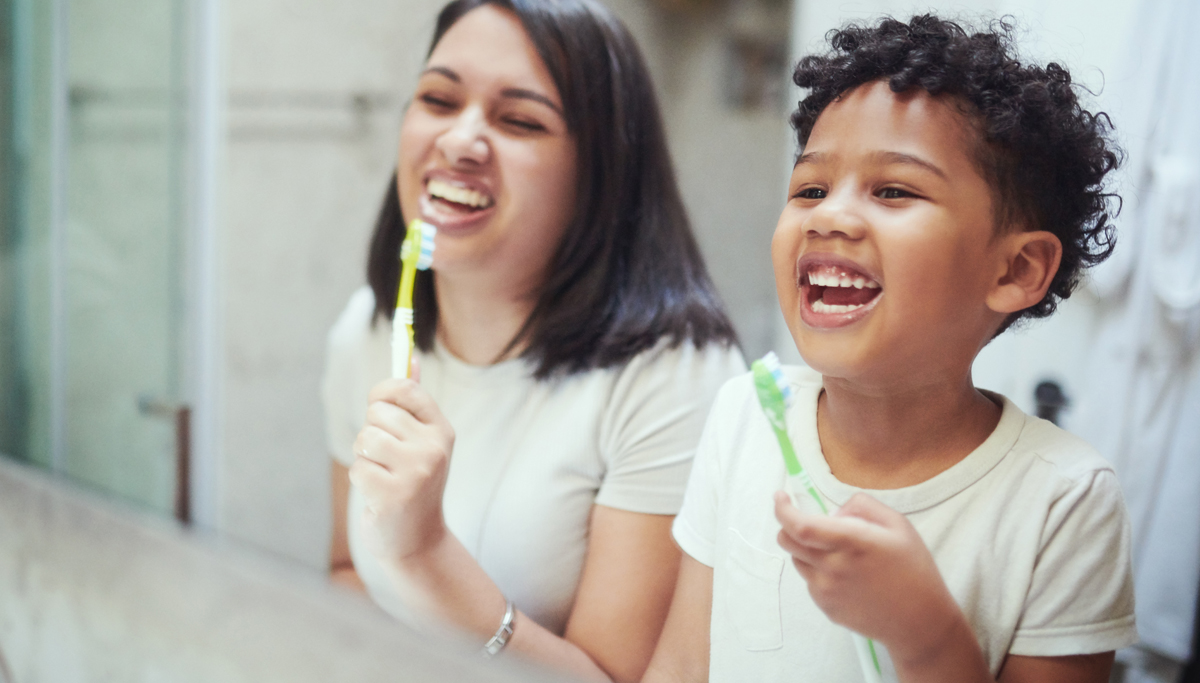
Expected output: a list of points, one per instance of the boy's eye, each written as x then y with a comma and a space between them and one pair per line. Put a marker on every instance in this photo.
894, 193
810, 193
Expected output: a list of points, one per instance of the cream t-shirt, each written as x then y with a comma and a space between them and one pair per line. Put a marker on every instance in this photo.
531, 457
1029, 532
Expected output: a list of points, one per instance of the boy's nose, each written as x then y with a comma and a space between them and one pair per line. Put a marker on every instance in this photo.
836, 216
465, 141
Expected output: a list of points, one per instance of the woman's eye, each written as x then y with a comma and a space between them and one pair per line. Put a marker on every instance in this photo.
524, 124
436, 101
811, 193
894, 193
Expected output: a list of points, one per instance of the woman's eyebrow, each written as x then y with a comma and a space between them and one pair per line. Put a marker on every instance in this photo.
445, 71
523, 94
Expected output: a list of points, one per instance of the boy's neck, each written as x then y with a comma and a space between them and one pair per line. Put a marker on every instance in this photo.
889, 440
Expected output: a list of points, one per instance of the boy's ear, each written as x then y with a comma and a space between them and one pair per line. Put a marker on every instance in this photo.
1030, 263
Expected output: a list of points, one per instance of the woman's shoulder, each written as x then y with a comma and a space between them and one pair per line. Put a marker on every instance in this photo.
715, 362
674, 373
353, 326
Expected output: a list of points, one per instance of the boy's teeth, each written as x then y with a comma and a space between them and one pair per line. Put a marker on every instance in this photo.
819, 306
832, 276
458, 195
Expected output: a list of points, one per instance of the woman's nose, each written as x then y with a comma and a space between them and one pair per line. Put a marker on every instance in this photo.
464, 141
837, 216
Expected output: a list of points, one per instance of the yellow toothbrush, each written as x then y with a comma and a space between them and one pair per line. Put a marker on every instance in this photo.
416, 253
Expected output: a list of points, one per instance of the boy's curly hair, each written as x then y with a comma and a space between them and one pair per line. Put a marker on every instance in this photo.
1043, 154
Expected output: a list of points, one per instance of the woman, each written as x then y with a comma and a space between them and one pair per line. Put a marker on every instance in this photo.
570, 344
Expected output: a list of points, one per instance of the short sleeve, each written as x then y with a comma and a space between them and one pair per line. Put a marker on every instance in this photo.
695, 527
652, 423
346, 380
1080, 598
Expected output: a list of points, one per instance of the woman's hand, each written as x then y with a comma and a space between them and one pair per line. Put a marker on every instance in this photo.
868, 570
403, 455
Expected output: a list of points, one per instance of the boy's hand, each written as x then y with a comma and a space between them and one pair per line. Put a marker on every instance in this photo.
868, 570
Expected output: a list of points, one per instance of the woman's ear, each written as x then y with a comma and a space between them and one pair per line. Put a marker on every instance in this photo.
1031, 262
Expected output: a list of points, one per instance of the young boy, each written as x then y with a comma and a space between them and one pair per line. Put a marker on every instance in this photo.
944, 192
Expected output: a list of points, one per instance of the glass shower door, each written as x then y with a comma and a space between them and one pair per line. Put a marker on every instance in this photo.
101, 296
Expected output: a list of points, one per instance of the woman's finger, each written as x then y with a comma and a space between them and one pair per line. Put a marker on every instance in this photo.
409, 395
393, 419
367, 475
379, 447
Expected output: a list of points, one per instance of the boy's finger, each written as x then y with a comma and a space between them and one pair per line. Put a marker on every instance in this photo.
867, 508
806, 554
801, 528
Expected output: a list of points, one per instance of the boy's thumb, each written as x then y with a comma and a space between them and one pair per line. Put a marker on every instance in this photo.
414, 369
868, 509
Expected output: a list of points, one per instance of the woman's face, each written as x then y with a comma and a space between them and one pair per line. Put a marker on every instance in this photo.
485, 154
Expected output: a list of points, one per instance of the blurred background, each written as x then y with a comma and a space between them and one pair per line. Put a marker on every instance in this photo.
187, 188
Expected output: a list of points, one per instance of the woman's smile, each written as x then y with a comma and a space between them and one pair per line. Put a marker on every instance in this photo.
455, 204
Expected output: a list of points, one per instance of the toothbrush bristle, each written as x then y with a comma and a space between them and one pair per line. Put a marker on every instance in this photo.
771, 362
428, 233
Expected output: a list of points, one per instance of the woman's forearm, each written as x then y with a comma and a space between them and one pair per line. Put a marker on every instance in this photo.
445, 582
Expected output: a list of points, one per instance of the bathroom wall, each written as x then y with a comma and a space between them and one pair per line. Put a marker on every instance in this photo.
313, 94
313, 98
1088, 38
92, 591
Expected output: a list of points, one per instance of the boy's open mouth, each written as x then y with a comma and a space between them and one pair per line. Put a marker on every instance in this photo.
455, 199
830, 289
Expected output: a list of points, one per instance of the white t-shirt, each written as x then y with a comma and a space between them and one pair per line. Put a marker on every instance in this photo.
1029, 532
531, 458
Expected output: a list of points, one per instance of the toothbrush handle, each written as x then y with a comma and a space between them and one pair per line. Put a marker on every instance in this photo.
867, 659
402, 344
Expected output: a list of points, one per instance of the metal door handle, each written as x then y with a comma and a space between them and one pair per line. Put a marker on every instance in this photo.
181, 414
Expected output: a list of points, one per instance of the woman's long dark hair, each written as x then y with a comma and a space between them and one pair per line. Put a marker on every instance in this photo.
628, 272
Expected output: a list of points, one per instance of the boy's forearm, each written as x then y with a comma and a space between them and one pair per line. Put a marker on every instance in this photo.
954, 658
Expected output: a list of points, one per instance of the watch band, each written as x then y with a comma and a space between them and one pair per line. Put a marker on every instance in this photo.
493, 647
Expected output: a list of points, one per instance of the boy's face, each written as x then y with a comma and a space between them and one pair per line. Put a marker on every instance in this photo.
884, 254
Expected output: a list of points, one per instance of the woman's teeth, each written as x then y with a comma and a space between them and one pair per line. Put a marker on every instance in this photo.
459, 195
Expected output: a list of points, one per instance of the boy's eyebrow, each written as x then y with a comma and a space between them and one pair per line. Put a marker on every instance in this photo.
811, 158
879, 157
901, 158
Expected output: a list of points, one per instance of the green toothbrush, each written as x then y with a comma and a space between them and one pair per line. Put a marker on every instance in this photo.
775, 395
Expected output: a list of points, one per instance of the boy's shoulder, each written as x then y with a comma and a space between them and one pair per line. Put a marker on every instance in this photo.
1067, 455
